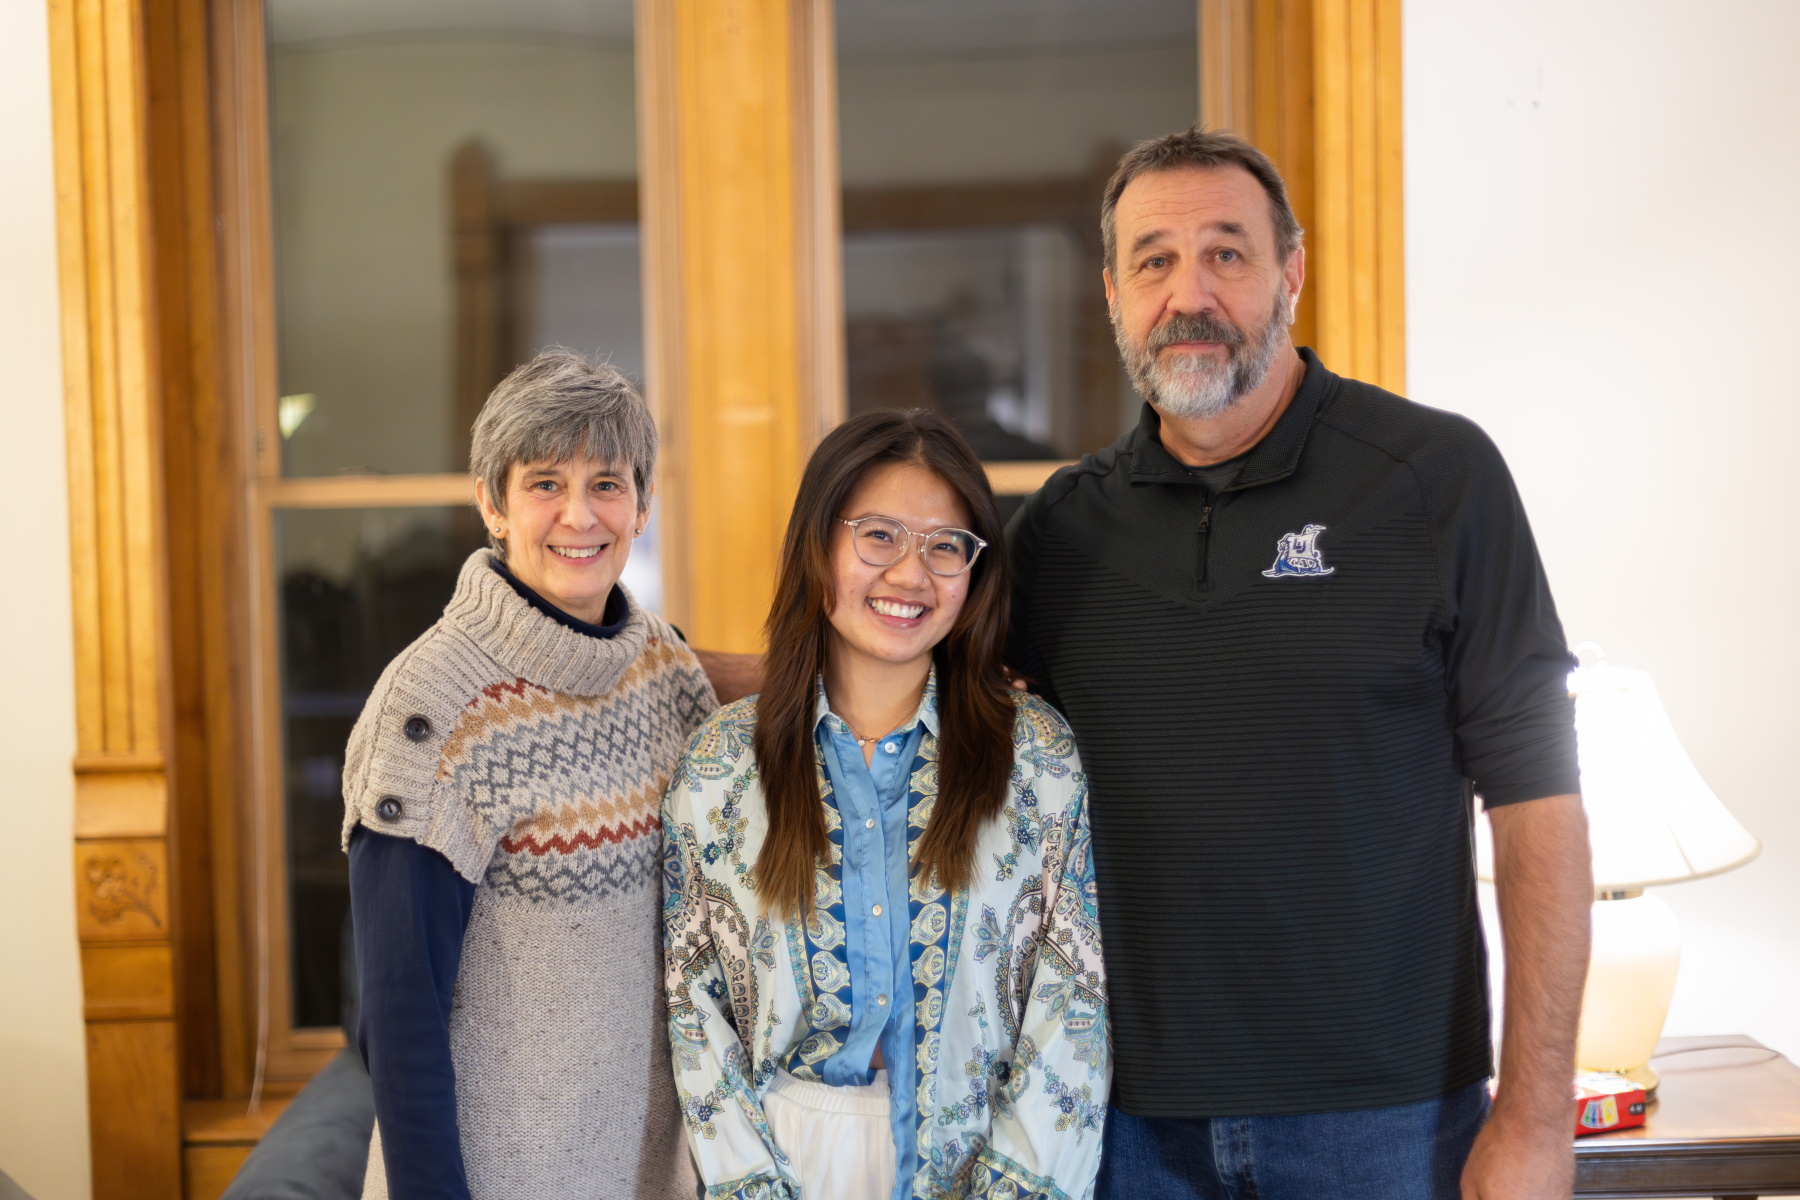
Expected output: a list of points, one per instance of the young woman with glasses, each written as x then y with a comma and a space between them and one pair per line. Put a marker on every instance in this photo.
882, 949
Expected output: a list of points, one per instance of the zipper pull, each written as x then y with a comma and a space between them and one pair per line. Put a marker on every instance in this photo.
1200, 580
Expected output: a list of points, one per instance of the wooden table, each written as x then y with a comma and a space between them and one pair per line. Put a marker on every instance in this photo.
1725, 1123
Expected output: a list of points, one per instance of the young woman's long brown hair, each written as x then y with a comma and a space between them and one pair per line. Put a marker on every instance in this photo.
974, 705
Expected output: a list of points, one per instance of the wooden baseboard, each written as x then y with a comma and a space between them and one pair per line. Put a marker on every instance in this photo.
208, 1170
217, 1136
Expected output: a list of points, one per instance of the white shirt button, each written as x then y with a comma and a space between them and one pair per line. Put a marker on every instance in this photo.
869, 824
877, 910
881, 999
891, 747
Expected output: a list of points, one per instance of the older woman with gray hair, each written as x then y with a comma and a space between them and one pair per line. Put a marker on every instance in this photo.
500, 795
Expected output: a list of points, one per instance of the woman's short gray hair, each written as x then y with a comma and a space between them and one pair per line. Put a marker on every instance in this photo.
558, 407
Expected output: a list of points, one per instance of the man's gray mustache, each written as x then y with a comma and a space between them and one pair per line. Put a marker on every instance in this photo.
1199, 328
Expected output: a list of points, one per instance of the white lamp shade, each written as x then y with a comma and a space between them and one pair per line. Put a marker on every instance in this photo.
1651, 818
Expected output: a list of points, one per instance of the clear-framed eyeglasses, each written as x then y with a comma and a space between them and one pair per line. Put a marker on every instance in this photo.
883, 541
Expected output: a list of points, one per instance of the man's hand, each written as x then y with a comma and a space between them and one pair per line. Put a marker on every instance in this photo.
1545, 885
1517, 1160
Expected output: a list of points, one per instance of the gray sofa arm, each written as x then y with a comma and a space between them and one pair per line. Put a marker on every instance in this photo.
319, 1148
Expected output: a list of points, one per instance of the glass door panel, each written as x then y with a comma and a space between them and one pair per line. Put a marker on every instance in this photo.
408, 142
454, 187
975, 140
354, 587
582, 291
579, 288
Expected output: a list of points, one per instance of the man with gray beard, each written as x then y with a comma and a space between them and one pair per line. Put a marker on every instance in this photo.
1296, 623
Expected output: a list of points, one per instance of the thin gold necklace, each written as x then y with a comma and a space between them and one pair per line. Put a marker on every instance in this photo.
860, 739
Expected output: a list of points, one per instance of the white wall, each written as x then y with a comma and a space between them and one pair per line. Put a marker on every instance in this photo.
43, 1071
1600, 270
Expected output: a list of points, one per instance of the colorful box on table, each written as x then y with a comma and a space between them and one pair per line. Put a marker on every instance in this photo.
1605, 1102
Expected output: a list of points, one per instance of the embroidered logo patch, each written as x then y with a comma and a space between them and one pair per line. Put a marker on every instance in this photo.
1298, 554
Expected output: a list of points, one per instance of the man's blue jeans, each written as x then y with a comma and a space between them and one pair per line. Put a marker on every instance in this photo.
1409, 1152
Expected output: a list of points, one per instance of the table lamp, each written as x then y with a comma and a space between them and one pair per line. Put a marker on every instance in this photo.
1651, 820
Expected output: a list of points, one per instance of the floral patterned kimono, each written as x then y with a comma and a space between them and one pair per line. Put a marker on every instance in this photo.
1012, 1068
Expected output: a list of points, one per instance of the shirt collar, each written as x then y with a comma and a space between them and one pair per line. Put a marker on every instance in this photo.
1275, 457
926, 714
611, 623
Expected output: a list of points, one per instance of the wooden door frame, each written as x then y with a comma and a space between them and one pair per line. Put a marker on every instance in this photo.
743, 335
124, 698
164, 250
1317, 85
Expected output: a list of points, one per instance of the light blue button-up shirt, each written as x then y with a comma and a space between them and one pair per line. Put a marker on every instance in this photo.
872, 804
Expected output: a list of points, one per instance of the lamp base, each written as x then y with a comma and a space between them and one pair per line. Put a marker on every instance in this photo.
1631, 978
1645, 1077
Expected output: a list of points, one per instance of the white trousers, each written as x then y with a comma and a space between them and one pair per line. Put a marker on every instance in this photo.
836, 1138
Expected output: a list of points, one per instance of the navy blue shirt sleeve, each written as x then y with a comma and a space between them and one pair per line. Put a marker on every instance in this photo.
410, 910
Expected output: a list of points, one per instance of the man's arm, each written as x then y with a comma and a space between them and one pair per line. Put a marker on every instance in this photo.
1545, 885
733, 676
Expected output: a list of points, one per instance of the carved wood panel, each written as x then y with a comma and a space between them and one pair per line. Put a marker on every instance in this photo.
122, 889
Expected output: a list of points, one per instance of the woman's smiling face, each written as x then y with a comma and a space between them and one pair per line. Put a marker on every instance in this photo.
568, 529
895, 614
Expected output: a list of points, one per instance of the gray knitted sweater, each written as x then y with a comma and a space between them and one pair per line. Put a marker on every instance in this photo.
534, 758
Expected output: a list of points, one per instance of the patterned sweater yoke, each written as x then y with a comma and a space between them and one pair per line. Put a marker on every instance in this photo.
534, 758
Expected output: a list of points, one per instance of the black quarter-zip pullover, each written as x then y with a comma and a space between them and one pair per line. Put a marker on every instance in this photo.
1283, 693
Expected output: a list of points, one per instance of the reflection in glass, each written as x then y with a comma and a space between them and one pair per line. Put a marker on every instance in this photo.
582, 292
952, 320
975, 140
356, 586
414, 147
